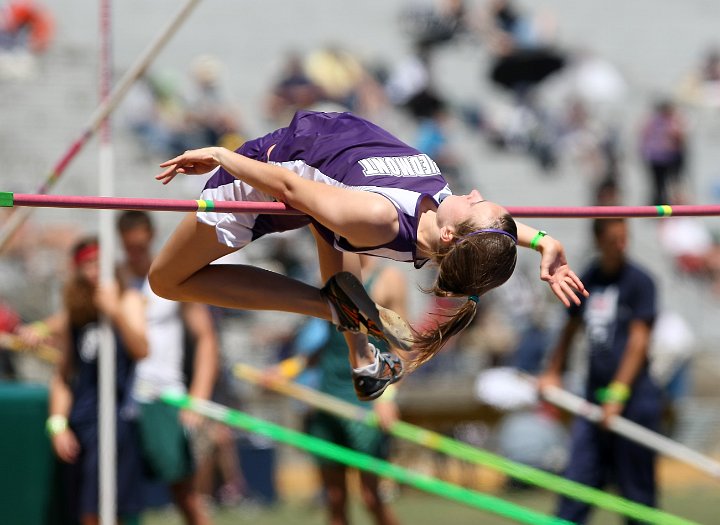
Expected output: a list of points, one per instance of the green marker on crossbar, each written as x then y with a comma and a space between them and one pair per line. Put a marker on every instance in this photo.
7, 199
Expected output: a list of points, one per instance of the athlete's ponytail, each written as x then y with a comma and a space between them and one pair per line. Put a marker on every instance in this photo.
480, 260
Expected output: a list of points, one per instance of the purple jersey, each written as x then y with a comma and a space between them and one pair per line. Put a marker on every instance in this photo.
342, 150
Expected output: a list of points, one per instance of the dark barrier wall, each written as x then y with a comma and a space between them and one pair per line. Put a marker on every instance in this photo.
26, 459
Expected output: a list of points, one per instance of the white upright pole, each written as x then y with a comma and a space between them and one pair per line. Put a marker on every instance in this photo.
631, 430
106, 359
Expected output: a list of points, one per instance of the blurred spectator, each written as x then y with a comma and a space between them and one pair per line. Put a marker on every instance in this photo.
292, 90
9, 323
219, 476
591, 143
32, 268
596, 83
410, 87
409, 78
608, 193
211, 116
285, 256
592, 92
168, 119
73, 404
432, 138
663, 146
9, 318
433, 25
344, 80
153, 111
26, 30
522, 58
597, 80
38, 250
521, 46
506, 27
672, 348
701, 88
618, 317
672, 345
221, 458
164, 429
688, 242
694, 249
25, 23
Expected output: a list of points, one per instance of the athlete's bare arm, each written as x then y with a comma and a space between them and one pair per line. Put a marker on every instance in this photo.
361, 217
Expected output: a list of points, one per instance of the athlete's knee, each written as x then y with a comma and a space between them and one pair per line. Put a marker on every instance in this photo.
161, 283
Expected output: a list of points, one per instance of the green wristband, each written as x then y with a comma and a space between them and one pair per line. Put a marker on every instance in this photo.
536, 240
41, 328
619, 392
615, 392
56, 424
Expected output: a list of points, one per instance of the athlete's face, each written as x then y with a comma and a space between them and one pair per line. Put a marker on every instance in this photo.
471, 207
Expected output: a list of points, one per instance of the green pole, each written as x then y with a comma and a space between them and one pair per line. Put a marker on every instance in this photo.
466, 452
361, 461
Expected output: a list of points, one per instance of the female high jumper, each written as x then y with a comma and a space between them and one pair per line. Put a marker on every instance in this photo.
362, 190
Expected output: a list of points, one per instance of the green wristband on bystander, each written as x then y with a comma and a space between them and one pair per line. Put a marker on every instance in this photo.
615, 392
56, 424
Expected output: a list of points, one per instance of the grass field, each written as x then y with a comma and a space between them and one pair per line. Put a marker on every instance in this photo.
697, 503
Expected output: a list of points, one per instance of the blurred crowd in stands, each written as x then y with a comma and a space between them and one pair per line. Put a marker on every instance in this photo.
26, 31
554, 104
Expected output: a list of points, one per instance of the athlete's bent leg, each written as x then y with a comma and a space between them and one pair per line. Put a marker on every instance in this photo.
182, 272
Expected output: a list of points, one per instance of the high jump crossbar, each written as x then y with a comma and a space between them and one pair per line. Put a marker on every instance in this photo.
352, 458
460, 450
9, 200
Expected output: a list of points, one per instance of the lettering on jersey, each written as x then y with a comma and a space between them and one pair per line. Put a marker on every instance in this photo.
89, 342
601, 317
407, 166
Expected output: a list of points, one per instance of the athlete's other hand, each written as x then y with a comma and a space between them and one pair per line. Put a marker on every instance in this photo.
554, 270
192, 162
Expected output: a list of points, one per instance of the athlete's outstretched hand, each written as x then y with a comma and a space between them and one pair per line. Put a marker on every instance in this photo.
192, 162
555, 270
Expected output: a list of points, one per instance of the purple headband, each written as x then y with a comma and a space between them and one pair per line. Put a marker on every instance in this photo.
491, 230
